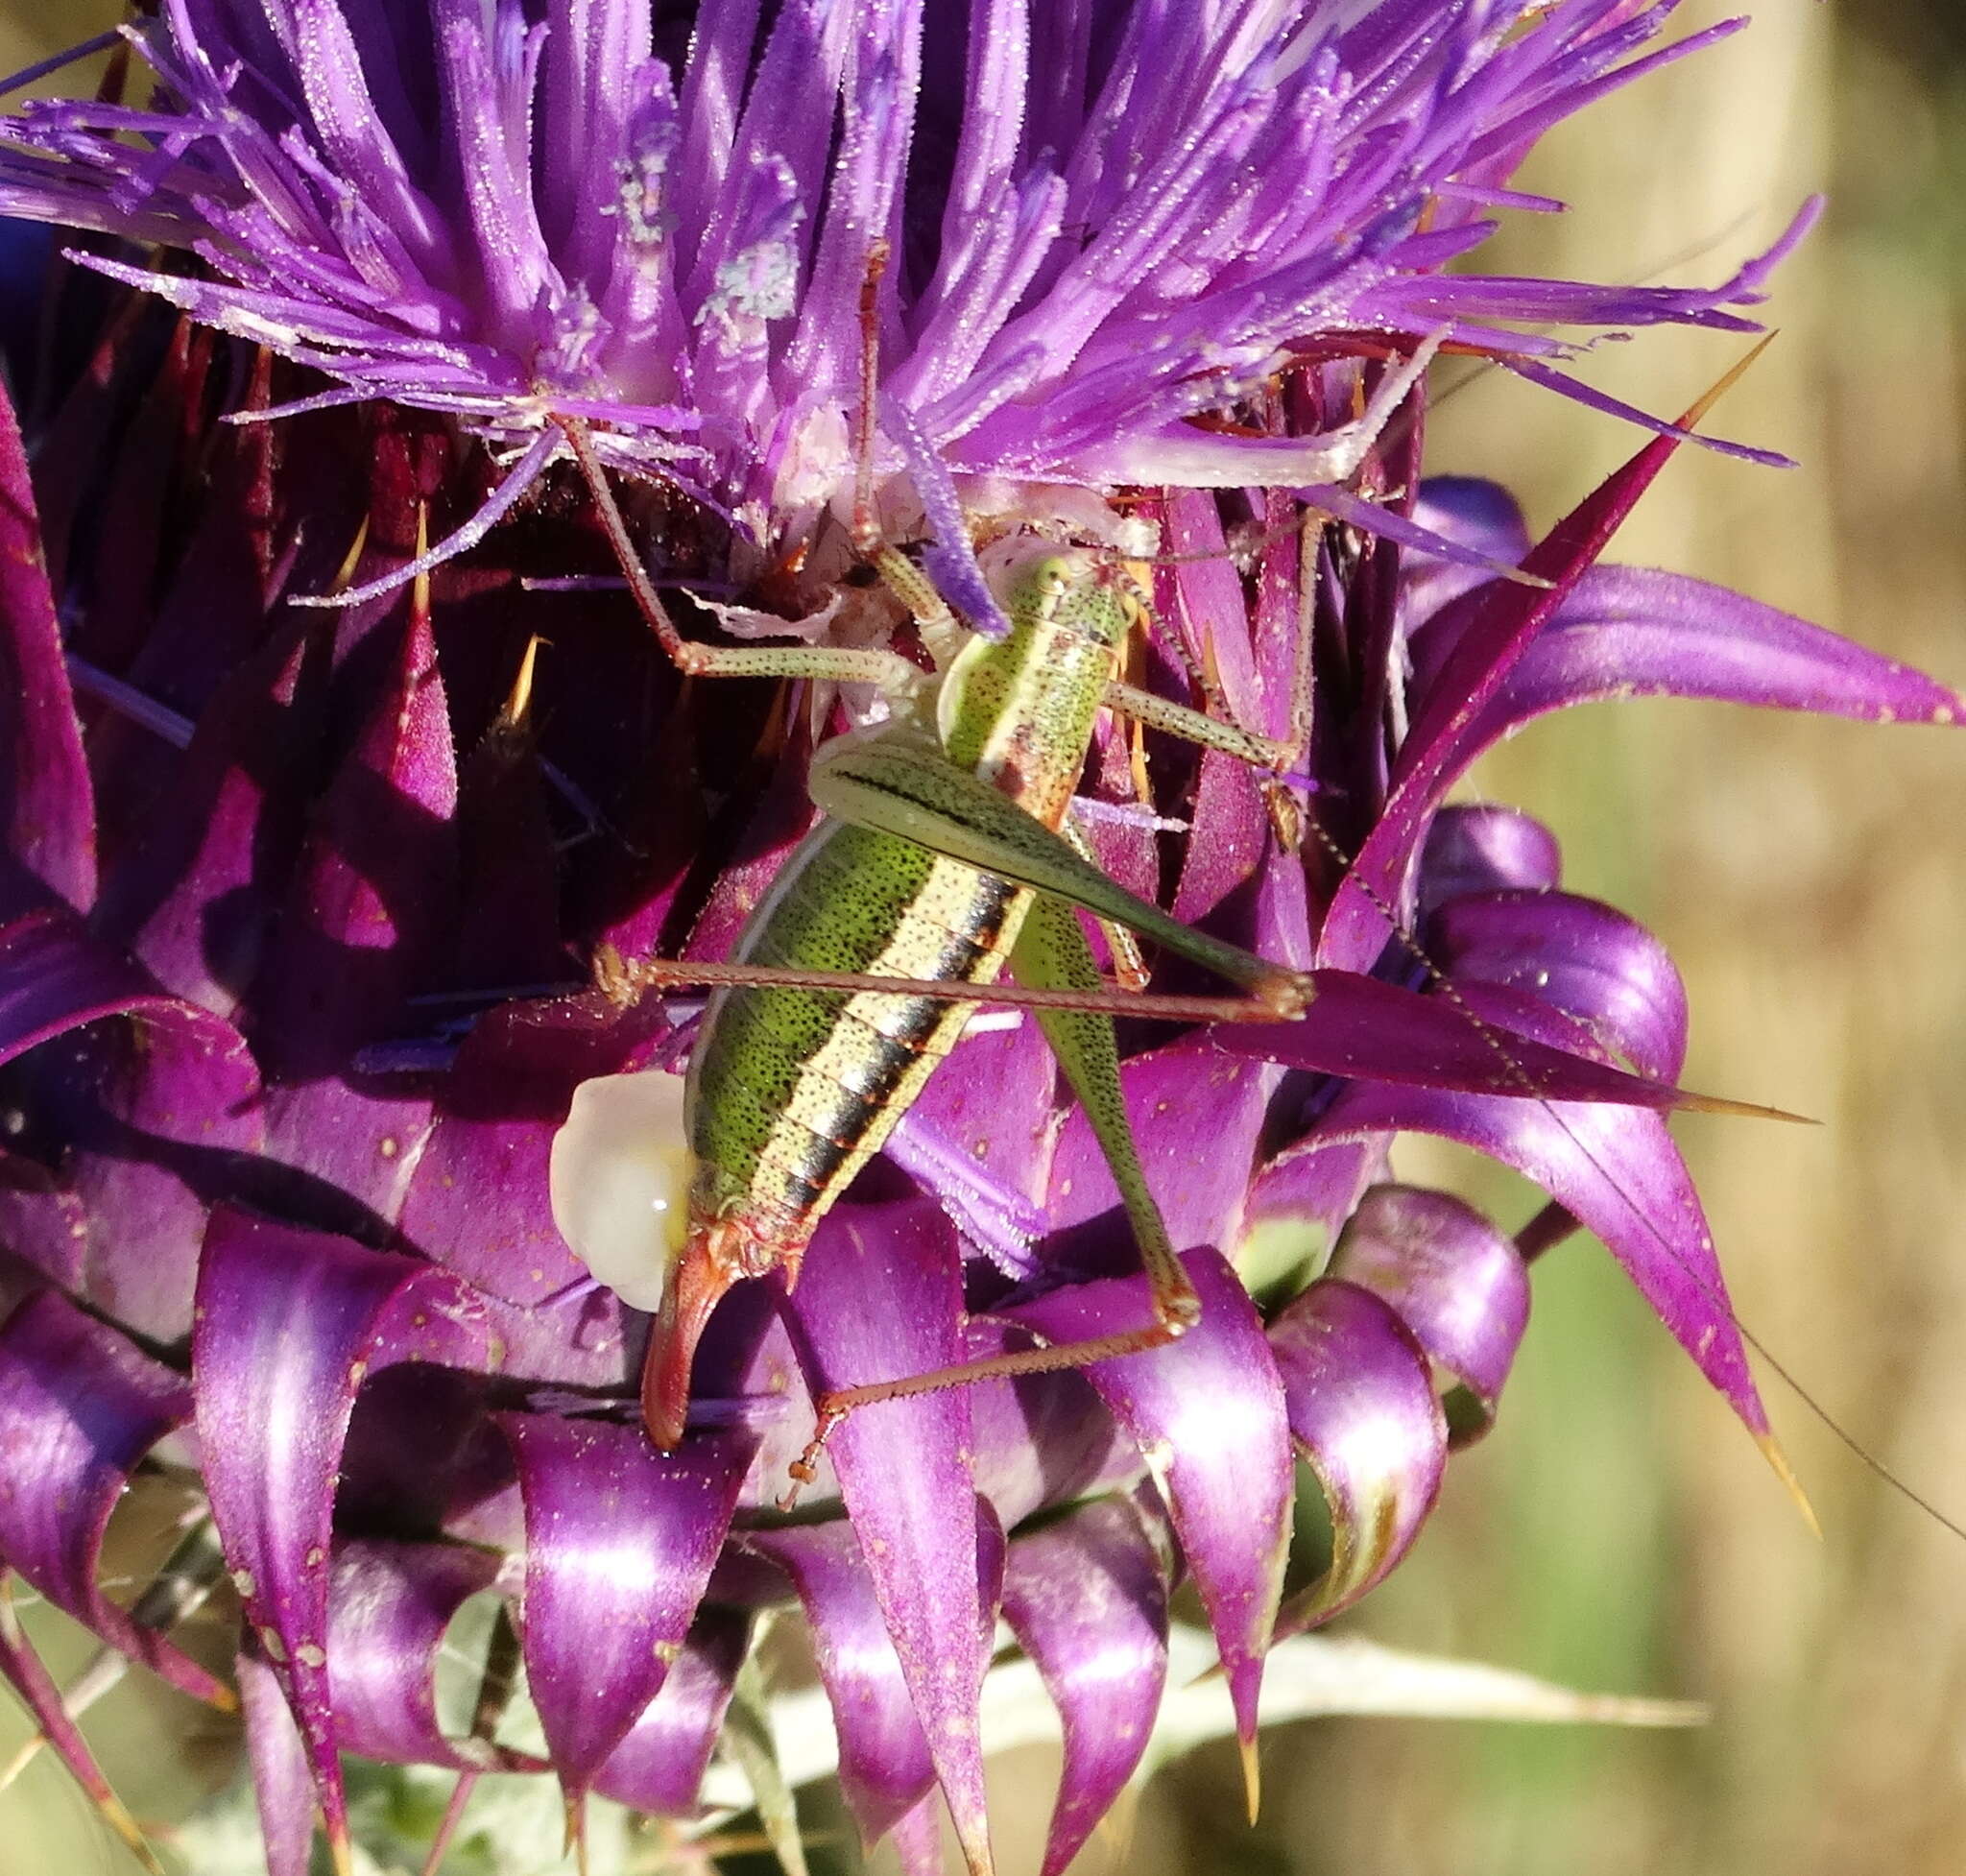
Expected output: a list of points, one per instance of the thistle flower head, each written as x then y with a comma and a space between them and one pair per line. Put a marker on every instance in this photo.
1104, 219
300, 907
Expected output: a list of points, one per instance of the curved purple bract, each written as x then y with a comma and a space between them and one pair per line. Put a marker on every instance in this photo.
981, 1137
1474, 515
1196, 1112
196, 900
1457, 1285
388, 1607
1087, 1598
1198, 603
1209, 1414
1227, 804
1365, 1418
150, 1111
1044, 1439
1199, 598
661, 1758
1367, 1030
917, 1837
357, 1139
47, 803
785, 815
880, 1298
178, 1108
1636, 632
1317, 1181
53, 977
885, 1765
284, 1777
78, 1408
290, 1324
620, 1544
376, 882
1476, 847
1620, 1175
476, 1201
1579, 955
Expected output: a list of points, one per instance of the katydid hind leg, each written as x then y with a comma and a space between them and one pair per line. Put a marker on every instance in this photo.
899, 786
624, 980
1051, 952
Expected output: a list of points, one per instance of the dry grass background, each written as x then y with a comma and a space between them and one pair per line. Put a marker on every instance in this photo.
1810, 877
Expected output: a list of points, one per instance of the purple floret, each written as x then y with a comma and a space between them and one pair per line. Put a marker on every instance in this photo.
1105, 218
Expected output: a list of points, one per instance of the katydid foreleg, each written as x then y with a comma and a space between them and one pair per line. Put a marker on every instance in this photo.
894, 675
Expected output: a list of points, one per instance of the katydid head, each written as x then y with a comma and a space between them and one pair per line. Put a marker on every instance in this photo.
1075, 590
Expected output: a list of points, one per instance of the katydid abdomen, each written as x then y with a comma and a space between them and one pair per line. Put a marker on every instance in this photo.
791, 1092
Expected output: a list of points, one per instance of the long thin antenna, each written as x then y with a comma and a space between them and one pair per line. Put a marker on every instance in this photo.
867, 420
644, 591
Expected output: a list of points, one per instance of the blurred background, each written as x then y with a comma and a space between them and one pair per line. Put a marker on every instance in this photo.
1618, 1531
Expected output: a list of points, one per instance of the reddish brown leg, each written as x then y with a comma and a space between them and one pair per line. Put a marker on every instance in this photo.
1175, 1312
624, 980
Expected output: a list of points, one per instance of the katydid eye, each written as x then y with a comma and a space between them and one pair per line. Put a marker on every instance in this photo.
619, 1181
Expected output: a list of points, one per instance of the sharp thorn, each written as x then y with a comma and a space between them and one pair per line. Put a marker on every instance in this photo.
1771, 1450
1724, 384
518, 704
1746, 1109
420, 587
574, 1839
345, 576
117, 1817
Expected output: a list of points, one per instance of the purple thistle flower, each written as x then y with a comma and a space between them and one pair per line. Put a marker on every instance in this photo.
1105, 219
299, 905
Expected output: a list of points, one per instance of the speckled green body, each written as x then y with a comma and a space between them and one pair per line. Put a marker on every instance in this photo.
792, 1091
